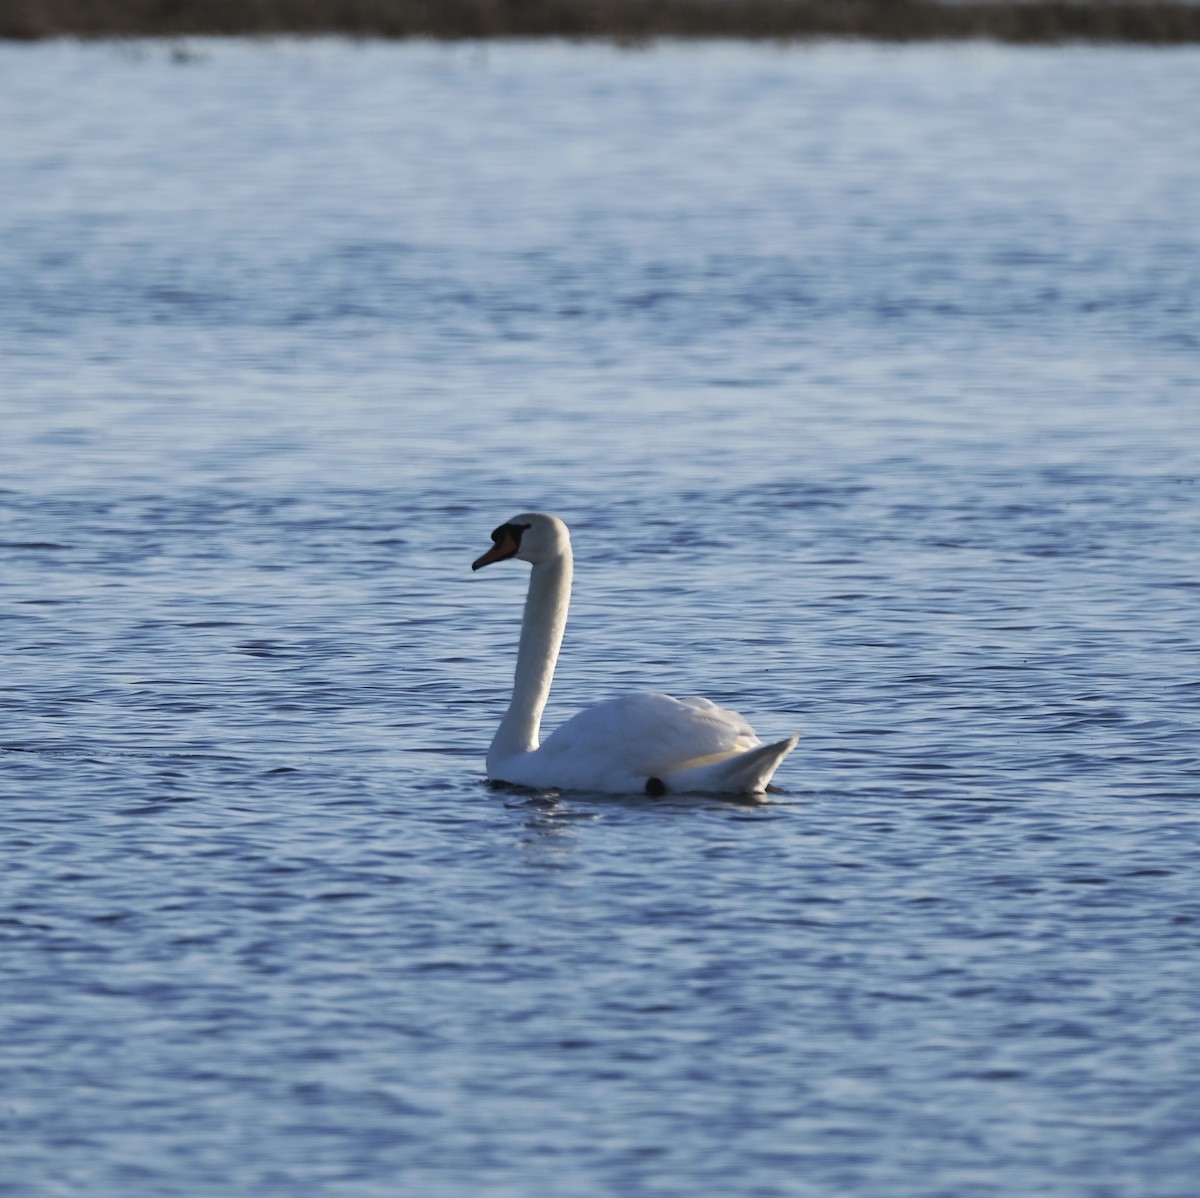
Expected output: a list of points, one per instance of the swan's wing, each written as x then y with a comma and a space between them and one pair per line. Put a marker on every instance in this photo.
649, 734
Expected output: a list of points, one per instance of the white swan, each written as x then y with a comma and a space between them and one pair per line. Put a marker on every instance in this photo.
643, 743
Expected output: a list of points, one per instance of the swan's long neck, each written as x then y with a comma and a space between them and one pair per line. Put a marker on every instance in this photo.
541, 636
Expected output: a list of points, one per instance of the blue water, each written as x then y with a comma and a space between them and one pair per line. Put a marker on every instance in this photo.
869, 382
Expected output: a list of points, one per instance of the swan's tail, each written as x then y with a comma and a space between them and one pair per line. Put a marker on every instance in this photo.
743, 773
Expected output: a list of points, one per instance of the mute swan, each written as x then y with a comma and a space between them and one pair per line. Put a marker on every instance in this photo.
643, 743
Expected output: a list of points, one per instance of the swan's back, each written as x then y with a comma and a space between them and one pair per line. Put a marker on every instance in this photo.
649, 734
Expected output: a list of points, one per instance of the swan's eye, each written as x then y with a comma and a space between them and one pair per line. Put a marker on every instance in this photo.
509, 530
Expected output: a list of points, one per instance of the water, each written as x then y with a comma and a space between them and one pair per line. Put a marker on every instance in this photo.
867, 380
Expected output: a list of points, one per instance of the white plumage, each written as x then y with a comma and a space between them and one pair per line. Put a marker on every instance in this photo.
641, 743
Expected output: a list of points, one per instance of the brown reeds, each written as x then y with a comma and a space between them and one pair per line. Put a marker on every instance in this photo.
1157, 22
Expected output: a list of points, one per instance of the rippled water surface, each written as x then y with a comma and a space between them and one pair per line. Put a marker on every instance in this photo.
868, 382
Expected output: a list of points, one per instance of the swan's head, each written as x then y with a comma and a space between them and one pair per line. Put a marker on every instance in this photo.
531, 537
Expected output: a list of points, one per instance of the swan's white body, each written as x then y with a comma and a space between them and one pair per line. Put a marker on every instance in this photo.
642, 743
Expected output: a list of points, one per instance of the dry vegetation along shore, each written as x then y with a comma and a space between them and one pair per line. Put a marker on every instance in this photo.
1159, 22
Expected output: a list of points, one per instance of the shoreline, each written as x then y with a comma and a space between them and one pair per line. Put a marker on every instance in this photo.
625, 22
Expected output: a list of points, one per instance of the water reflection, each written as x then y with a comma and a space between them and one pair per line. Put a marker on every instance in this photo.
243, 807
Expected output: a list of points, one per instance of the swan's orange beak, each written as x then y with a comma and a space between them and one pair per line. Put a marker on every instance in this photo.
505, 547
